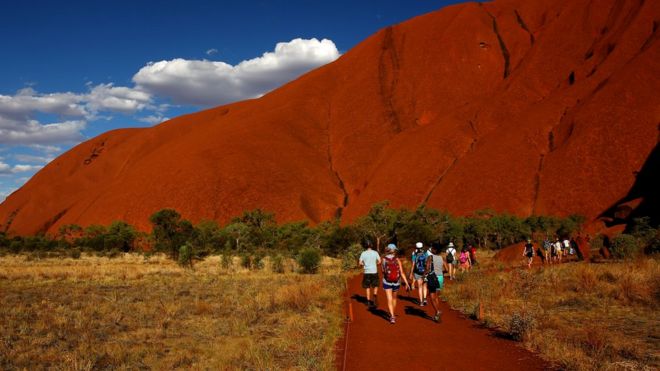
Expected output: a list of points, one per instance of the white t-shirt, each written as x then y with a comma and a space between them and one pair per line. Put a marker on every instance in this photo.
370, 260
567, 244
558, 246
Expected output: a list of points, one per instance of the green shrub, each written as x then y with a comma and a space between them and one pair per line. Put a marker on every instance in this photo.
74, 253
624, 246
185, 255
246, 260
258, 261
309, 260
278, 264
227, 259
350, 258
520, 325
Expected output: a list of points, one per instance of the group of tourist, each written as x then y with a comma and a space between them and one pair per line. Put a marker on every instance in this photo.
426, 273
551, 252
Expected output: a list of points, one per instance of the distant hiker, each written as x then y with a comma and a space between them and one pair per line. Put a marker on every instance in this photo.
417, 271
547, 247
452, 261
473, 254
392, 275
464, 260
566, 247
435, 278
557, 252
576, 247
369, 259
528, 252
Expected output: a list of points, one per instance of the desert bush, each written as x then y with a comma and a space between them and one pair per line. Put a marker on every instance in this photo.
309, 260
74, 253
351, 256
258, 261
520, 325
277, 264
185, 255
246, 260
624, 246
227, 258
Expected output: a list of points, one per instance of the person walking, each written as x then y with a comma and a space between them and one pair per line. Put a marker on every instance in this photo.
435, 278
392, 275
528, 252
473, 254
558, 248
369, 260
419, 257
464, 260
452, 261
547, 247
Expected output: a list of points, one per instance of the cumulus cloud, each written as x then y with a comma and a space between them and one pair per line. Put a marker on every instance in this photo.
106, 97
8, 169
17, 112
33, 159
153, 119
208, 83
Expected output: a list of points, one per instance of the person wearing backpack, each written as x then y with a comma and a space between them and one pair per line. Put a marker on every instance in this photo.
369, 259
392, 275
419, 257
452, 261
435, 278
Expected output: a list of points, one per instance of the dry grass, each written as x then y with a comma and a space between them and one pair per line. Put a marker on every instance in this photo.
136, 313
578, 316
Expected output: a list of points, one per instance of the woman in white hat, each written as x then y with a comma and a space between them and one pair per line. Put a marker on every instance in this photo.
392, 275
417, 269
452, 260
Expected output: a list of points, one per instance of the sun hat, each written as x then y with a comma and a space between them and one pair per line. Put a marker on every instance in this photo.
391, 247
419, 245
451, 244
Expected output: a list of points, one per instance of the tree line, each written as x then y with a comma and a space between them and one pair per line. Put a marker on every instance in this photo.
257, 232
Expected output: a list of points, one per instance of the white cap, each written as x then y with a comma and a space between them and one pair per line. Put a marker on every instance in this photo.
419, 245
451, 244
391, 247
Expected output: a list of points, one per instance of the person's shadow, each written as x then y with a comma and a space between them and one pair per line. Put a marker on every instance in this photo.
412, 311
375, 311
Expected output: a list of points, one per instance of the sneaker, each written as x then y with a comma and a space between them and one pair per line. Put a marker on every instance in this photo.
392, 320
424, 302
436, 318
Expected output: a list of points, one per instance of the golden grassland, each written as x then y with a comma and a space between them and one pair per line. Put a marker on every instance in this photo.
578, 316
148, 313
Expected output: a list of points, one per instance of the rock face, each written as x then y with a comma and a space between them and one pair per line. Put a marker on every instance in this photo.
545, 107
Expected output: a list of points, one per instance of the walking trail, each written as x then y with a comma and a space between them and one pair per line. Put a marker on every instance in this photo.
415, 342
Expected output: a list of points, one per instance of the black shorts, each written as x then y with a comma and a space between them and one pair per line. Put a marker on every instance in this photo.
434, 283
369, 280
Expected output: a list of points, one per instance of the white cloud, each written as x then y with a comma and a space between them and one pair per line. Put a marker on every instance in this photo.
17, 112
8, 169
153, 119
209, 83
33, 158
212, 51
106, 97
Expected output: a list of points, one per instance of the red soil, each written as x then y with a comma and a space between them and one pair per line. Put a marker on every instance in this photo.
417, 343
545, 107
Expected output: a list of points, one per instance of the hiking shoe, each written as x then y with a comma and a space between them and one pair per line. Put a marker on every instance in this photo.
436, 318
392, 320
424, 302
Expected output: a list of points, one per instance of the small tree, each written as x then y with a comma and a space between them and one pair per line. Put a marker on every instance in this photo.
170, 232
351, 256
379, 223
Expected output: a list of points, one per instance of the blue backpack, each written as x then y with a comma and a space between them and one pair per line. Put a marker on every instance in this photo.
420, 262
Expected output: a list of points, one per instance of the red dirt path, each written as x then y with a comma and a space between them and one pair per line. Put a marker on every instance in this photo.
417, 343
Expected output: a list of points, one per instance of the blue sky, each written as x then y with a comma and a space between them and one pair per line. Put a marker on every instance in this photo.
74, 69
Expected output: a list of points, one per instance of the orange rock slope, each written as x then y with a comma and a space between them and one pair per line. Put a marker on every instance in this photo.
545, 107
